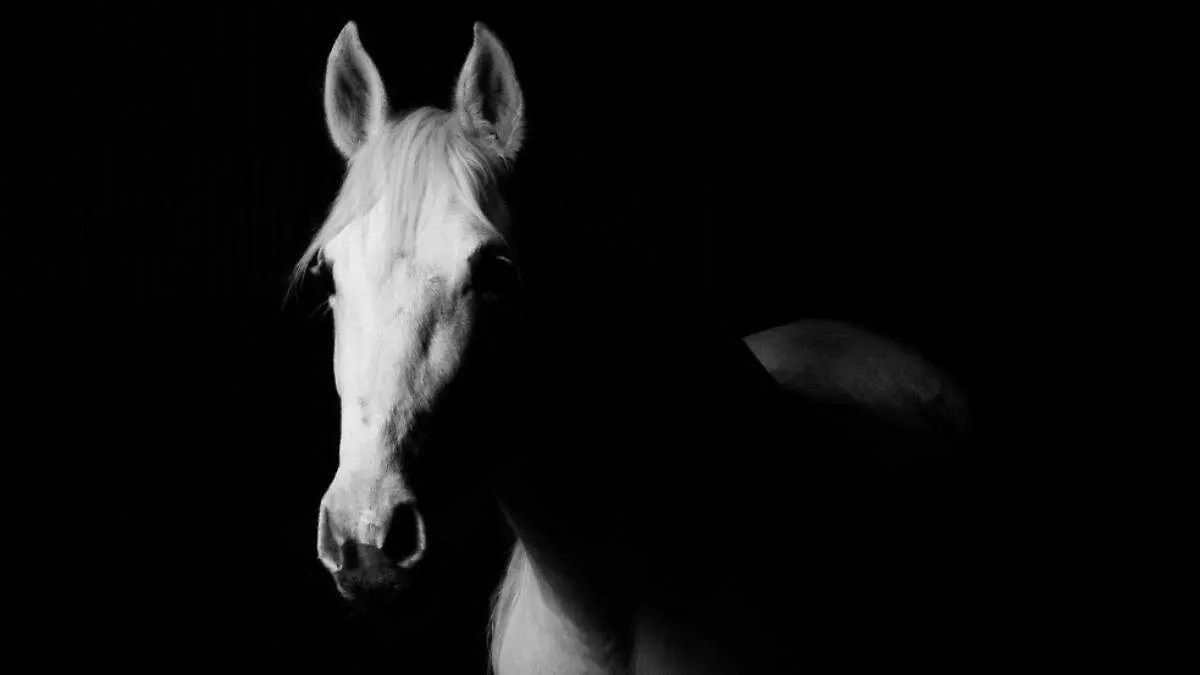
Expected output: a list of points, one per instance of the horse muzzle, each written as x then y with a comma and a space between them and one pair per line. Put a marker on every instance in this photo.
371, 558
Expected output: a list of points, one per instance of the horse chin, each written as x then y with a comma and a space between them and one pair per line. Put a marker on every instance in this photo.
377, 581
376, 588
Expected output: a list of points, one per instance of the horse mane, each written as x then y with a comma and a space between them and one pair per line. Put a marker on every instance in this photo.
420, 163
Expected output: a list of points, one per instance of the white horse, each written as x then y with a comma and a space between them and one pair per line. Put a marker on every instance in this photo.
682, 502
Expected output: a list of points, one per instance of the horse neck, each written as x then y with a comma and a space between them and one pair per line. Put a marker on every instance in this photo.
616, 385
575, 350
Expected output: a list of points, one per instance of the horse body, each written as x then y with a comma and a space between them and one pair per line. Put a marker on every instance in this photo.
627, 482
746, 514
684, 502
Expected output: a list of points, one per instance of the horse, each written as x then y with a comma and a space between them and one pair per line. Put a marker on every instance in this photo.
681, 500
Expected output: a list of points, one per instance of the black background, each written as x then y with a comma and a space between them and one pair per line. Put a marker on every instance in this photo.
888, 167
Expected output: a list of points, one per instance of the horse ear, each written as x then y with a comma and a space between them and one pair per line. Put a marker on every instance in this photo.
355, 103
488, 100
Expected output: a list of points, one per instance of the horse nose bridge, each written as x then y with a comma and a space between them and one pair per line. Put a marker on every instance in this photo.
365, 499
368, 459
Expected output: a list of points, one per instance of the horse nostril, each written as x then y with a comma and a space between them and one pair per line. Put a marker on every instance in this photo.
350, 559
404, 542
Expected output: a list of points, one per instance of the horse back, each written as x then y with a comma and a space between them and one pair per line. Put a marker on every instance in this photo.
842, 546
833, 361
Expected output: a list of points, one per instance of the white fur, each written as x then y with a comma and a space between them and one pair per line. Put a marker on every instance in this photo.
398, 240
530, 635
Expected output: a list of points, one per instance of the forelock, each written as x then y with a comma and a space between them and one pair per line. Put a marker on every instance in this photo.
419, 163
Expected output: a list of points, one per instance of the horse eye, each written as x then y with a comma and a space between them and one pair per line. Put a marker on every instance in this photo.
323, 275
495, 275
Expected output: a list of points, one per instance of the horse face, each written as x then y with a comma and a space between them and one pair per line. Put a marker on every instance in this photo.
420, 267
